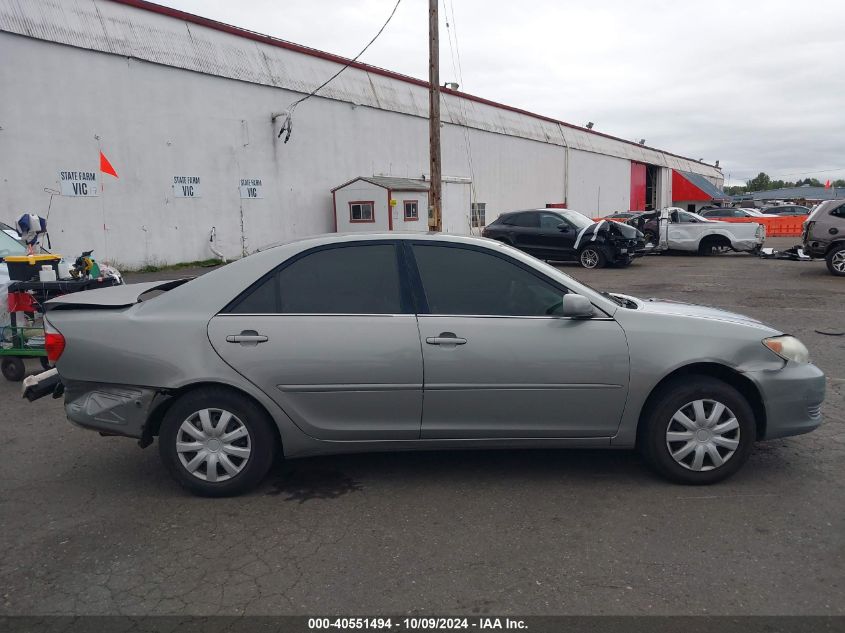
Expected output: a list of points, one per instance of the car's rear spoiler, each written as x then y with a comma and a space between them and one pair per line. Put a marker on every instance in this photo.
113, 297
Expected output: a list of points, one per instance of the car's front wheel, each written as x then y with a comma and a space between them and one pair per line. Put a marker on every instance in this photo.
216, 442
699, 430
592, 257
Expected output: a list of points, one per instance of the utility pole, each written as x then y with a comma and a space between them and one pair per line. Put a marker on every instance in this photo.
435, 194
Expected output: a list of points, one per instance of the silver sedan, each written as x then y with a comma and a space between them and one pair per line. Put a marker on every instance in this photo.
359, 342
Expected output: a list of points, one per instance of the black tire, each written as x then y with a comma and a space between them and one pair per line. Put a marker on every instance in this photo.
261, 442
591, 257
837, 253
710, 246
13, 369
658, 421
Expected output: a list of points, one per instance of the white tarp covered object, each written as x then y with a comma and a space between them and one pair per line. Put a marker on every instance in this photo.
4, 293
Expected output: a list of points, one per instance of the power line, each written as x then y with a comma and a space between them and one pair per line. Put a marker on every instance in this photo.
457, 48
288, 124
456, 53
807, 173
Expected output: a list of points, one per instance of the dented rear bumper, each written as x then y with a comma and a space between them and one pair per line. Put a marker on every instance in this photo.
109, 409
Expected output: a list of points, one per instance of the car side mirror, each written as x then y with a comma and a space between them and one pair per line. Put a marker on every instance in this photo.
576, 307
563, 228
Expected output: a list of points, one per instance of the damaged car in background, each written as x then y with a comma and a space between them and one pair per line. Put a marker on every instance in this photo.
674, 229
563, 235
318, 346
824, 235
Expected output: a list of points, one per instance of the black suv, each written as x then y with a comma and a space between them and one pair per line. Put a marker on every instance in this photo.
566, 235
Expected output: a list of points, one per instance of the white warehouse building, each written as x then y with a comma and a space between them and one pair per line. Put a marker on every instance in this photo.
188, 112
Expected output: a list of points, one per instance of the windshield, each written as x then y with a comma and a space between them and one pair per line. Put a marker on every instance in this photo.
579, 220
10, 245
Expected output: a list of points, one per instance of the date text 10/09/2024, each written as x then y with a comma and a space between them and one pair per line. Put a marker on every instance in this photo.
416, 623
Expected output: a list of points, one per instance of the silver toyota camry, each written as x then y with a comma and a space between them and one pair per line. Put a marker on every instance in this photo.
360, 342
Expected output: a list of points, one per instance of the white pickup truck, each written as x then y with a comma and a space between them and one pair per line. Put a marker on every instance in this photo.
674, 229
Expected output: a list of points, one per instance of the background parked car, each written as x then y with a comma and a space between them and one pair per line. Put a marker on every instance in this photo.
622, 215
8, 230
786, 209
674, 229
732, 212
824, 235
566, 235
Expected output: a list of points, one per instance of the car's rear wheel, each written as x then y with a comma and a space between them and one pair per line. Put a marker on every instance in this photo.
699, 430
713, 245
216, 442
592, 256
13, 369
836, 260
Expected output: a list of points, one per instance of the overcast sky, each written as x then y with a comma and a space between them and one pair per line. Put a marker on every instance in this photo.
756, 84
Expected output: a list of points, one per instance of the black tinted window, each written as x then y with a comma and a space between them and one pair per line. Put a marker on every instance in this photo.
525, 220
469, 282
349, 280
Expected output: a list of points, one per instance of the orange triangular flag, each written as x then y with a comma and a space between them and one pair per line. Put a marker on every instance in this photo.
105, 166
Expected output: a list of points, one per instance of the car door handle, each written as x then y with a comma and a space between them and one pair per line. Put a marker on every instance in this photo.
446, 338
247, 337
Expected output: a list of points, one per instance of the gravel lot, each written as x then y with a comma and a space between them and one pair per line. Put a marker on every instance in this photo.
92, 525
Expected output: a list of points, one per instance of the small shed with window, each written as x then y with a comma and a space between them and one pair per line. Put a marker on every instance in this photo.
381, 203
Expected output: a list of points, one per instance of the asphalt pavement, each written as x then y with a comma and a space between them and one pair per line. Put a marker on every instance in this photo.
93, 525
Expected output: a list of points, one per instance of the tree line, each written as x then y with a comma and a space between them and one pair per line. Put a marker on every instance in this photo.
762, 182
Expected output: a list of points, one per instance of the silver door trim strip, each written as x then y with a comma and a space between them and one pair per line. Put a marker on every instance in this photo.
310, 314
349, 387
516, 386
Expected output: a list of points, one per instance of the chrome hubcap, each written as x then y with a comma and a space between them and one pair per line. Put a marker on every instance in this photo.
589, 258
702, 435
838, 262
213, 445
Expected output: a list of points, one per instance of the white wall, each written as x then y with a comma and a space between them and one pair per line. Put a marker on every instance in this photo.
598, 185
362, 191
457, 203
62, 104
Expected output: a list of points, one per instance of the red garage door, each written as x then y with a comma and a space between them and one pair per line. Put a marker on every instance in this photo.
637, 186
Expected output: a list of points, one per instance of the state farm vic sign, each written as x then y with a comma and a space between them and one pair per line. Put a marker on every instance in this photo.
186, 186
79, 183
251, 189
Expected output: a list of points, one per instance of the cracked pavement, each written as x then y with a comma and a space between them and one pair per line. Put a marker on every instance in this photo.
92, 525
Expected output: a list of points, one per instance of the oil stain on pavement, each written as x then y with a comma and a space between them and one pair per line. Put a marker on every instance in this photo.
304, 485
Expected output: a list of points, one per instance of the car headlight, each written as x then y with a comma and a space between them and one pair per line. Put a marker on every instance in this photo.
788, 348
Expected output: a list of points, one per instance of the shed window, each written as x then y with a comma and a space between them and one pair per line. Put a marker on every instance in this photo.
411, 210
478, 213
360, 211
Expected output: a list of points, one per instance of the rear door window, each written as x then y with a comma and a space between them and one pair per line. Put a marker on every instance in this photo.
343, 280
526, 220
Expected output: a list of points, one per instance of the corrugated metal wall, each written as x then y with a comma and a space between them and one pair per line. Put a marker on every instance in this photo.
163, 103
